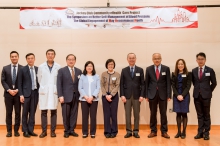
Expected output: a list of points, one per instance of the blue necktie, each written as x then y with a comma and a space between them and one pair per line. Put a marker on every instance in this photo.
132, 72
14, 76
32, 78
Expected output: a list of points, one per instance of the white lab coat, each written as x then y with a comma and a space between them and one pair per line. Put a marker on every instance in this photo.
48, 86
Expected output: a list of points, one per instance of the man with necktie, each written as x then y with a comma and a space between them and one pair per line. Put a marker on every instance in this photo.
68, 94
12, 100
158, 91
204, 82
132, 93
28, 90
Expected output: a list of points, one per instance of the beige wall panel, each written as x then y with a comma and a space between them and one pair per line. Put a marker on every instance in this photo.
99, 45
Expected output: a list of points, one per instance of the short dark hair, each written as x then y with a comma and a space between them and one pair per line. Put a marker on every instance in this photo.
29, 54
201, 54
108, 61
93, 71
51, 50
14, 52
131, 53
70, 55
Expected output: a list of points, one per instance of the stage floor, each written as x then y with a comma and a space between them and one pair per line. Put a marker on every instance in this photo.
100, 140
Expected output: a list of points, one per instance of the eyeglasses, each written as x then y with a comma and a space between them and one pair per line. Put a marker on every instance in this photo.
157, 59
201, 59
71, 59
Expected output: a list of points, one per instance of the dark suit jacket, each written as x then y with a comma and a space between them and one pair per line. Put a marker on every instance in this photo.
129, 85
24, 81
6, 79
163, 84
186, 84
203, 86
65, 84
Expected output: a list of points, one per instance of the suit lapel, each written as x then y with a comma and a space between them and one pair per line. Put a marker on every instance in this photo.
135, 71
53, 68
46, 67
19, 67
129, 72
76, 73
69, 74
154, 72
28, 71
203, 74
197, 73
161, 70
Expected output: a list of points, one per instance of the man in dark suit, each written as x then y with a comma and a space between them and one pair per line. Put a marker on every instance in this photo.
204, 81
28, 90
132, 93
158, 91
68, 94
12, 99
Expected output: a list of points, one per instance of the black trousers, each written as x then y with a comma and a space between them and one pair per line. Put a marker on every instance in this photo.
153, 113
89, 109
10, 102
29, 110
53, 120
70, 113
203, 114
110, 111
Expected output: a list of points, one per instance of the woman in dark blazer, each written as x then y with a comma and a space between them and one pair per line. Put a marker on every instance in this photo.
181, 83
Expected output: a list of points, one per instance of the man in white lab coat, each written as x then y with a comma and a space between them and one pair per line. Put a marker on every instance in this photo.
48, 100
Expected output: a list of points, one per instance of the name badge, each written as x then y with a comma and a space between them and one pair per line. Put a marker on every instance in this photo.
184, 75
207, 74
78, 76
163, 73
137, 74
113, 78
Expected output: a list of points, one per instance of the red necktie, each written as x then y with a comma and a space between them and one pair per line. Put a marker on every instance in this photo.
157, 73
200, 73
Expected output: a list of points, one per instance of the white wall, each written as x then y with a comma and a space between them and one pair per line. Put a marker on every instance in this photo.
99, 45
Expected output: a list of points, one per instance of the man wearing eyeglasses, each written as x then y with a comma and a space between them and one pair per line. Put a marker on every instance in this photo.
204, 82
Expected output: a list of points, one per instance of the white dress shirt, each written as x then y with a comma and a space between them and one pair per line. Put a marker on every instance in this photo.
35, 82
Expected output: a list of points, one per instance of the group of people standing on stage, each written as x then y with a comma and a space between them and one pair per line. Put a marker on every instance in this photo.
49, 83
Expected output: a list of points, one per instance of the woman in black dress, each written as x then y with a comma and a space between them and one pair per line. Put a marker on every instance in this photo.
181, 83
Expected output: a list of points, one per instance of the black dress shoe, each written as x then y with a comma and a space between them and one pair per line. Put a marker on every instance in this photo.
32, 134
198, 136
92, 136
43, 134
53, 134
16, 134
177, 135
84, 136
25, 134
73, 134
136, 135
183, 135
9, 134
108, 136
128, 135
206, 137
113, 135
66, 135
